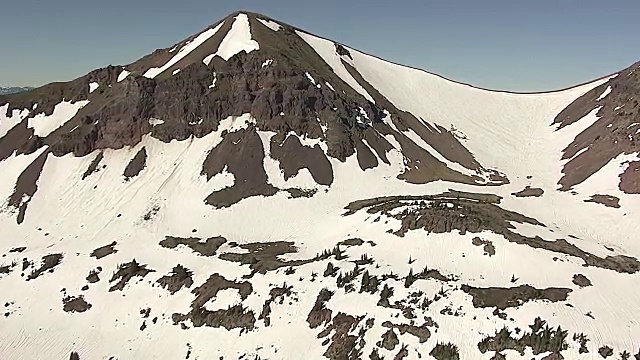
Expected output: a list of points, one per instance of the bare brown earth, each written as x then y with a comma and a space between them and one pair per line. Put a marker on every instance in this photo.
126, 272
421, 332
540, 338
581, 280
180, 277
27, 185
104, 251
503, 298
94, 166
621, 109
137, 163
487, 245
72, 304
442, 214
234, 317
529, 192
263, 257
277, 295
606, 200
208, 247
49, 262
293, 156
242, 154
444, 351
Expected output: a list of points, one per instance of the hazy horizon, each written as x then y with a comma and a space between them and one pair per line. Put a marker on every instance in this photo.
496, 44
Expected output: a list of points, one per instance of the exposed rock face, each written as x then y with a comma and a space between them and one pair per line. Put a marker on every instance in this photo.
617, 107
282, 97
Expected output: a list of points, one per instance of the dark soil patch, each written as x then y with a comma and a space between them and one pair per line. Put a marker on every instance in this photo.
74, 356
263, 257
503, 298
49, 262
93, 277
180, 277
352, 242
581, 280
541, 338
126, 272
94, 166
103, 251
605, 351
293, 156
421, 332
234, 317
445, 213
6, 269
389, 340
74, 304
136, 164
528, 191
606, 200
18, 249
27, 185
320, 314
276, 295
487, 246
446, 351
207, 248
242, 154
295, 193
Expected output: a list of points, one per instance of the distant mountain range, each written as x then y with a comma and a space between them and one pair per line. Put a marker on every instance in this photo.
13, 90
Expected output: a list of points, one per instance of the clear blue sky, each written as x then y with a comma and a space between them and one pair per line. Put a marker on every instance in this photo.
526, 45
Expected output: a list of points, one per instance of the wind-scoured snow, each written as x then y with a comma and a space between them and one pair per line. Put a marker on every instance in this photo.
270, 24
237, 39
44, 125
326, 49
184, 51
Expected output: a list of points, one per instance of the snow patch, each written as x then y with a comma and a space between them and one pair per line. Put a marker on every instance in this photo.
215, 78
184, 51
267, 63
154, 122
44, 125
93, 86
123, 75
329, 86
270, 24
8, 122
237, 39
175, 71
605, 93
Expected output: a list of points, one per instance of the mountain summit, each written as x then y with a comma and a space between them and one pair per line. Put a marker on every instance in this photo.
256, 184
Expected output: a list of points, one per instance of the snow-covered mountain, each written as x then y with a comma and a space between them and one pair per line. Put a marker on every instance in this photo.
259, 192
13, 89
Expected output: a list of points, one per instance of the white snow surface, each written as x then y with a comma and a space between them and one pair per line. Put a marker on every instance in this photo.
184, 51
44, 125
270, 24
606, 92
93, 86
237, 39
8, 121
123, 75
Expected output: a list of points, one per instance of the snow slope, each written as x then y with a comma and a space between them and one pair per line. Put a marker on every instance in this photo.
74, 212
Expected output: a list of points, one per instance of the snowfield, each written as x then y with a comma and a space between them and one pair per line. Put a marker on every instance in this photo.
118, 255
